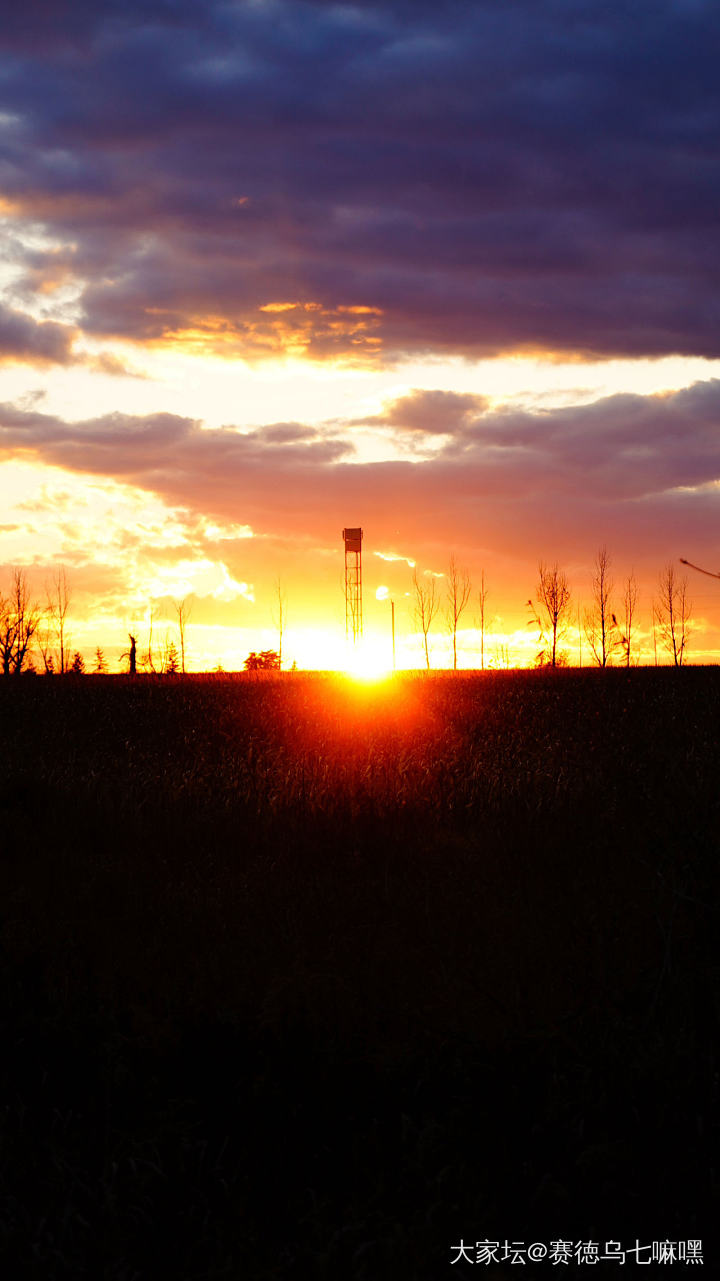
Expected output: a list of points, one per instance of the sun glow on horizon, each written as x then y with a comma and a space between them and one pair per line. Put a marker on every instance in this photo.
368, 660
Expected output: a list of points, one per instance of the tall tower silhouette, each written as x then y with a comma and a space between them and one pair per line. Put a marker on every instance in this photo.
352, 538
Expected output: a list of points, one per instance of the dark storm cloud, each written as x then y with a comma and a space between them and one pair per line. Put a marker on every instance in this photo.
482, 177
634, 468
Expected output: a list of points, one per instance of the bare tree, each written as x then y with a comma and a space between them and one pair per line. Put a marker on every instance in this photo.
131, 655
502, 656
27, 619
672, 614
458, 595
630, 599
601, 627
7, 634
44, 641
183, 611
551, 613
427, 604
58, 604
280, 616
147, 661
19, 621
482, 598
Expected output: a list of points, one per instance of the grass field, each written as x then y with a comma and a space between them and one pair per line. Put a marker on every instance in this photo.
308, 978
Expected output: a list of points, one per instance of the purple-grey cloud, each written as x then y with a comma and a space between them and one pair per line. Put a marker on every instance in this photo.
36, 342
431, 412
643, 470
483, 177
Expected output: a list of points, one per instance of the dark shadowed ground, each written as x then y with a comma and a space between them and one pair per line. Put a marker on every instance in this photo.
306, 979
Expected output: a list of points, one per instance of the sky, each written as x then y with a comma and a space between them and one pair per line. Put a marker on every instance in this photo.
270, 268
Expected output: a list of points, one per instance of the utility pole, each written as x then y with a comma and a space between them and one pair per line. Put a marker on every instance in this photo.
392, 616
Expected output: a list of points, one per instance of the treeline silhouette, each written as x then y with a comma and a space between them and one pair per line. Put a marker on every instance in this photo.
35, 637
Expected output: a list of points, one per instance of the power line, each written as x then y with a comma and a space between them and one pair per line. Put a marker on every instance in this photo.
690, 565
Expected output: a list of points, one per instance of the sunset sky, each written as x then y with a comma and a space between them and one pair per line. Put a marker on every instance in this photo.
447, 272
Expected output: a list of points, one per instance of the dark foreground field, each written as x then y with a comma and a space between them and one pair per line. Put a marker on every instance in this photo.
306, 980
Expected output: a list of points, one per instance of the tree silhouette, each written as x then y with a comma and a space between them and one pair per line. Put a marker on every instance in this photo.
131, 656
482, 598
267, 660
19, 621
630, 598
183, 610
44, 638
426, 607
58, 604
601, 626
551, 613
170, 659
672, 613
147, 662
458, 595
280, 618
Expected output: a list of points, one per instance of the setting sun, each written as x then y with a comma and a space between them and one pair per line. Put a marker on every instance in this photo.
368, 660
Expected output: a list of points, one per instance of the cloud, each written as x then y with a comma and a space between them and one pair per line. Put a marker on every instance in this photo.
394, 556
209, 611
113, 366
407, 178
36, 342
168, 454
639, 470
286, 434
431, 412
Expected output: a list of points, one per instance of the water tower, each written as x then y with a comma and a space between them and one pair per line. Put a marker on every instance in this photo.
352, 539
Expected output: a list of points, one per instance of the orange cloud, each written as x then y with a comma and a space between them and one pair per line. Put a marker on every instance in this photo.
344, 333
279, 306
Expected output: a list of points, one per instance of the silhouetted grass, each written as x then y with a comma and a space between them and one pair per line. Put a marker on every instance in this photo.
303, 978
